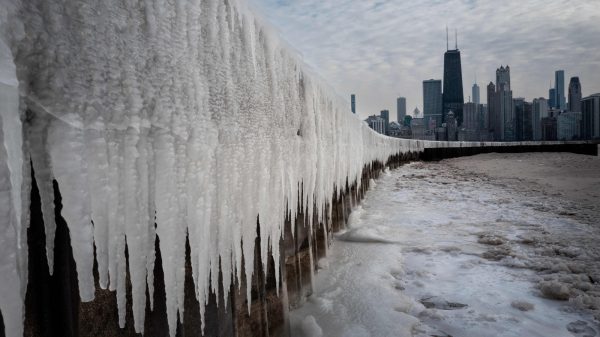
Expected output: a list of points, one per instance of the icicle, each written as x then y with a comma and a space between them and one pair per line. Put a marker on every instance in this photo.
174, 119
98, 182
312, 264
37, 132
168, 229
67, 156
12, 274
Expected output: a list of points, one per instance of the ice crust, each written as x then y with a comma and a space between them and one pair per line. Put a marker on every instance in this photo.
170, 119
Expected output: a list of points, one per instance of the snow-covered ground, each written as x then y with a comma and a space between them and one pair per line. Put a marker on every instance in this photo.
459, 248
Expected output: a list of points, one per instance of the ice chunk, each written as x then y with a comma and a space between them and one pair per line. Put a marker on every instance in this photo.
555, 290
522, 305
310, 327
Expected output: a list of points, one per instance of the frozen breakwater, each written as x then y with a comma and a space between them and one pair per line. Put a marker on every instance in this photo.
153, 156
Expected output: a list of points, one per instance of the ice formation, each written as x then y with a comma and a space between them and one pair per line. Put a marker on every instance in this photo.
162, 118
13, 253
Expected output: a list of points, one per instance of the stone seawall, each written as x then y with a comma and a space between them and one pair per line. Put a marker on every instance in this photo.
451, 150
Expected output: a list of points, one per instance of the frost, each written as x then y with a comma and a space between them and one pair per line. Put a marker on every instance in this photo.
13, 243
177, 120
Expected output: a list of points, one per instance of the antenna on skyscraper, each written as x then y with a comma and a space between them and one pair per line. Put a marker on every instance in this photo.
447, 48
456, 37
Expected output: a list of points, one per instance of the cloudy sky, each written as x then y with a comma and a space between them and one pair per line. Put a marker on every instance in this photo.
382, 49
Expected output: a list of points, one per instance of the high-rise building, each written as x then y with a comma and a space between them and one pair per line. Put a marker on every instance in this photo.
559, 89
452, 96
376, 123
432, 101
451, 127
491, 103
353, 103
574, 94
473, 120
523, 116
552, 98
385, 115
471, 116
590, 117
475, 92
505, 114
503, 77
401, 109
504, 118
549, 128
539, 111
484, 122
417, 128
568, 125
527, 121
519, 107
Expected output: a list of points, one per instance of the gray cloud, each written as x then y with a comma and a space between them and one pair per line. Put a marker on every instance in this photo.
380, 49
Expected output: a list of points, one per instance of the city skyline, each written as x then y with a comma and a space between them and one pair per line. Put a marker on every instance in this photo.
391, 48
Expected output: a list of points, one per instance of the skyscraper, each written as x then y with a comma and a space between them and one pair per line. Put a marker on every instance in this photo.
539, 111
376, 123
491, 103
475, 92
401, 109
590, 117
568, 125
519, 106
505, 114
552, 98
353, 103
385, 115
452, 96
522, 111
503, 77
559, 89
574, 94
503, 110
432, 101
471, 125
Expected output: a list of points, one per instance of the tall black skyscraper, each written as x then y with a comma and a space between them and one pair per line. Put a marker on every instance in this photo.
575, 94
452, 96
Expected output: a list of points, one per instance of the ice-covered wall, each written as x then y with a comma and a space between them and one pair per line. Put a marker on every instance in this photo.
168, 118
13, 253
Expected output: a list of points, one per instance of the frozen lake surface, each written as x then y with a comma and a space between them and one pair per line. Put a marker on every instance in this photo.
435, 250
